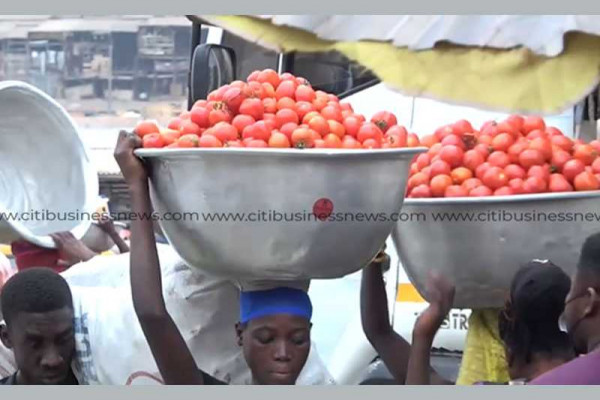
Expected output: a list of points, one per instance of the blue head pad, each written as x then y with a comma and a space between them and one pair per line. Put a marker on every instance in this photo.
281, 300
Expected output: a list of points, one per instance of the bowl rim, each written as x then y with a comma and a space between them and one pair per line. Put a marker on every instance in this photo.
312, 153
517, 198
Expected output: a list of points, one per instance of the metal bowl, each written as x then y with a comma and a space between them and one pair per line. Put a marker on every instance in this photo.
287, 241
482, 256
44, 168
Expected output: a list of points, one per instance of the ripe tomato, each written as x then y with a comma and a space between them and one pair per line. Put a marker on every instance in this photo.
220, 115
541, 171
286, 76
532, 123
257, 143
460, 174
285, 116
535, 184
544, 146
502, 142
310, 116
269, 76
199, 116
453, 155
456, 191
513, 171
516, 121
482, 169
209, 141
153, 141
499, 159
303, 108
240, 122
494, 178
438, 185
217, 95
369, 130
144, 128
506, 127
596, 166
504, 191
320, 144
268, 91
234, 143
174, 124
596, 145
515, 151
253, 108
586, 181
421, 191
332, 113
572, 168
286, 102
484, 149
435, 150
517, 185
269, 105
585, 153
225, 132
279, 140
349, 142
187, 141
305, 93
332, 141
453, 140
199, 103
438, 167
481, 191
233, 98
288, 129
429, 140
303, 138
286, 89
417, 179
319, 125
399, 135
384, 120
320, 103
531, 157
471, 184
170, 136
559, 158
558, 183
371, 144
461, 127
188, 127
258, 130
444, 131
352, 125
489, 129
253, 76
412, 140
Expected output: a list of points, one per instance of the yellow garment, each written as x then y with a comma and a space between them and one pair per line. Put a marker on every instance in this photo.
6, 250
483, 357
515, 80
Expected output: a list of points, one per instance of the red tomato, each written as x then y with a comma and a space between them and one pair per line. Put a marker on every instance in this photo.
253, 76
332, 113
285, 116
258, 130
481, 170
513, 171
572, 168
209, 141
471, 184
541, 171
559, 158
596, 166
412, 140
421, 191
320, 144
233, 143
288, 129
225, 132
537, 134
188, 127
270, 105
399, 133
504, 191
586, 181
371, 144
286, 89
303, 138
233, 98
352, 125
429, 140
240, 122
435, 150
199, 116
257, 143
384, 120
553, 131
146, 128
153, 141
484, 149
444, 131
534, 184
517, 185
461, 127
516, 121
320, 103
558, 183
453, 155
596, 145
279, 140
286, 103
456, 191
439, 167
531, 157
499, 159
268, 91
544, 146
305, 93
170, 136
349, 142
494, 178
369, 130
460, 174
454, 140
515, 151
174, 124
217, 95
199, 103
187, 141
219, 115
253, 108
532, 123
489, 129
502, 142
269, 76
481, 191
332, 141
303, 108
585, 153
438, 185
319, 125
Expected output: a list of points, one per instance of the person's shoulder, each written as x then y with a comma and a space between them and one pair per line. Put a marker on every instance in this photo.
210, 380
579, 371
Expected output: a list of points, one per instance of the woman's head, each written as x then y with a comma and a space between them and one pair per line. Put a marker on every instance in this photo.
529, 323
274, 331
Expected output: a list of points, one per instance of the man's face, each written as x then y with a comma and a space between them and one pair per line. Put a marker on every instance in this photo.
581, 305
276, 348
43, 345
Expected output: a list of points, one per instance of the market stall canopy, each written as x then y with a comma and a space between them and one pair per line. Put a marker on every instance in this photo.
530, 64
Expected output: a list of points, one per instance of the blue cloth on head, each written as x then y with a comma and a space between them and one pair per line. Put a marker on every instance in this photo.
281, 300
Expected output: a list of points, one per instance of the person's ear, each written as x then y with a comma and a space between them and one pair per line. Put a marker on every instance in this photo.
5, 337
239, 331
593, 303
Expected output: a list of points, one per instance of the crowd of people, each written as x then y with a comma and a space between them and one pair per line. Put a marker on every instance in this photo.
549, 326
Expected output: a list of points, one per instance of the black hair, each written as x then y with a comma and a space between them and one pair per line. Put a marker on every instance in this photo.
589, 259
529, 324
34, 290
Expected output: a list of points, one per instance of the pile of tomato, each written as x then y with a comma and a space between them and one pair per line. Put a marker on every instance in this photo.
520, 155
276, 111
